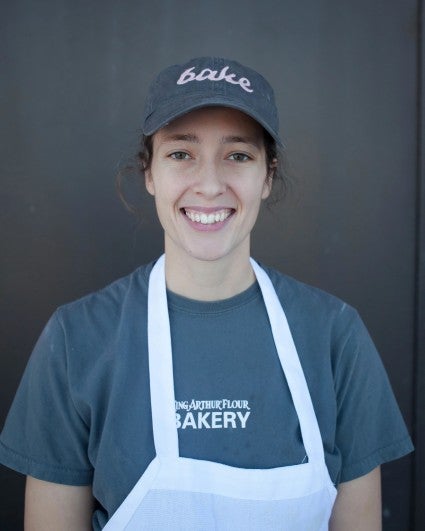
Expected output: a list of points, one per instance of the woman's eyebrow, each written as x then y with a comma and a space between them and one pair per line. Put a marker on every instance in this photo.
231, 139
188, 137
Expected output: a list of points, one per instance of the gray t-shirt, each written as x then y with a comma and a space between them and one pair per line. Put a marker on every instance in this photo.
82, 412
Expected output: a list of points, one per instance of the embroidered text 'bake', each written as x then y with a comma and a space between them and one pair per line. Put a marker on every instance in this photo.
214, 75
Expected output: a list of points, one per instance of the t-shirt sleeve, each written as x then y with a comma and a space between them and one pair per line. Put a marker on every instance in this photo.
44, 436
370, 428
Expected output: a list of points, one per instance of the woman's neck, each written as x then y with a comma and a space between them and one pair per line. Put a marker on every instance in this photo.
208, 280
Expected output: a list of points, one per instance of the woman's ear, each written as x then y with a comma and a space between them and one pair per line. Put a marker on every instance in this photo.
149, 182
267, 187
268, 183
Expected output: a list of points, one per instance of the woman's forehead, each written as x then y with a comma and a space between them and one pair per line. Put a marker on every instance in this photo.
229, 121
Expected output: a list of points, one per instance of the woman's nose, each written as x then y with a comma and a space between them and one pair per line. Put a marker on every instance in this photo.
209, 180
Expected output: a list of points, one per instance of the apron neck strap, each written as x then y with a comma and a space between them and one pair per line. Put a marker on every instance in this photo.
161, 365
291, 366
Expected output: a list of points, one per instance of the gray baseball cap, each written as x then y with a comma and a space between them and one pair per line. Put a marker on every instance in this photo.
205, 82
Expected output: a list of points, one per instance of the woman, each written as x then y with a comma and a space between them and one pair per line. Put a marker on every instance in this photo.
204, 391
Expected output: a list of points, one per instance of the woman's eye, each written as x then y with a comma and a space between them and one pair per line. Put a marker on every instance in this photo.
179, 155
239, 157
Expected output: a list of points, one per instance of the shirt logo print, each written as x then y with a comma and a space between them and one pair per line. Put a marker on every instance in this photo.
212, 414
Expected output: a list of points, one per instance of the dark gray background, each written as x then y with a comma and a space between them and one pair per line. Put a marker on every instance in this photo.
348, 77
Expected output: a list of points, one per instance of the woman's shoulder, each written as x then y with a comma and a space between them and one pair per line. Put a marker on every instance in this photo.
316, 317
296, 295
122, 295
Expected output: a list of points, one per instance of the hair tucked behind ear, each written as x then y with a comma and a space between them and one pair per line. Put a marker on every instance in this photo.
275, 160
130, 180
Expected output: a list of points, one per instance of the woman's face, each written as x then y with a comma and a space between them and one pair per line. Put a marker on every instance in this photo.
208, 176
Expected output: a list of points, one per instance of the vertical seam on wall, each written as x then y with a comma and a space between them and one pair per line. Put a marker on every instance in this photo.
418, 461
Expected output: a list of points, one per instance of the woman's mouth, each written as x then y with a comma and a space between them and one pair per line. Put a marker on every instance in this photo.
208, 218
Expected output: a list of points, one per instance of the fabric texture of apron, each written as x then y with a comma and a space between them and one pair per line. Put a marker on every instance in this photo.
178, 493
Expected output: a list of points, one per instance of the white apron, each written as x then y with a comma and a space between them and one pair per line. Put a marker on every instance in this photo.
178, 493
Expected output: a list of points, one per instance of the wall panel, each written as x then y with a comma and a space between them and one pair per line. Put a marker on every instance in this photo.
74, 78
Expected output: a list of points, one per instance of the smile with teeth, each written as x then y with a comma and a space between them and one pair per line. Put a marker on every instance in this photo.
207, 219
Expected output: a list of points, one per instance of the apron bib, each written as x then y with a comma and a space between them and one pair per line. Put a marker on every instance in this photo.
178, 493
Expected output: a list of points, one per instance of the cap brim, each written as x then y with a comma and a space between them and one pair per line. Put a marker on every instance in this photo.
161, 118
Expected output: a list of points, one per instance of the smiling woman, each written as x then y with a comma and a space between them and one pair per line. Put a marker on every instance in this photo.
209, 163
204, 391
